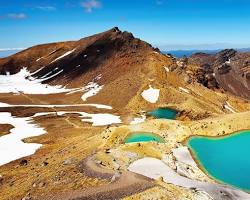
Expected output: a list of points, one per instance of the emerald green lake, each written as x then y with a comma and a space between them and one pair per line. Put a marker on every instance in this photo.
164, 113
226, 158
144, 137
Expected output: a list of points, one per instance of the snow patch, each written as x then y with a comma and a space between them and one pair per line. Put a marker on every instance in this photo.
100, 106
36, 71
184, 90
11, 145
167, 69
229, 107
183, 155
155, 169
24, 82
44, 114
54, 75
179, 63
151, 95
62, 56
92, 89
4, 105
138, 120
228, 62
100, 119
39, 59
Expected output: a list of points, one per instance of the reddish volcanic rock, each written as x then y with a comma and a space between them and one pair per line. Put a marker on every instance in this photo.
227, 70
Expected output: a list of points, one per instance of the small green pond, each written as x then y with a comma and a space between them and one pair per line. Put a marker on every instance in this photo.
143, 137
226, 158
164, 113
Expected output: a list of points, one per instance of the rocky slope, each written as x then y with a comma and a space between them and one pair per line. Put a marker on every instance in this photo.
228, 70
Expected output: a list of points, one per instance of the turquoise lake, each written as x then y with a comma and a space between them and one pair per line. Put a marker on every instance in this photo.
164, 113
144, 137
226, 159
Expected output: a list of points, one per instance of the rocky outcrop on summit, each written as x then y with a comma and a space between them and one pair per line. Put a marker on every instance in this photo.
228, 70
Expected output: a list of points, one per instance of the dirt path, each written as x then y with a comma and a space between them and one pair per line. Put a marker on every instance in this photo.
71, 123
30, 98
126, 184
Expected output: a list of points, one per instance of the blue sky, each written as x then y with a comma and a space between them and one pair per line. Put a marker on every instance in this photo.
169, 24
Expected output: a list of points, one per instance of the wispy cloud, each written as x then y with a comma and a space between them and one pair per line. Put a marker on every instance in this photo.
89, 5
45, 8
17, 16
159, 2
11, 49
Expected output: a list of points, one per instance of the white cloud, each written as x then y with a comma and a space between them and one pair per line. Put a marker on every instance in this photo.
89, 5
159, 2
46, 8
11, 49
16, 16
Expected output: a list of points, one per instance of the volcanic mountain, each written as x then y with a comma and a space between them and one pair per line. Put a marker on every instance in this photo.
114, 68
113, 58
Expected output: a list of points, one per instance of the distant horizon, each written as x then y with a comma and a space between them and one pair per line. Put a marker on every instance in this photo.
177, 53
191, 47
162, 49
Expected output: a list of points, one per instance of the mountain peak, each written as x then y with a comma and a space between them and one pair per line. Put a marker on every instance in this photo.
115, 29
118, 32
73, 59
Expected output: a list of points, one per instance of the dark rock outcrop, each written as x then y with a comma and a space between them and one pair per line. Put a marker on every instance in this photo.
228, 70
